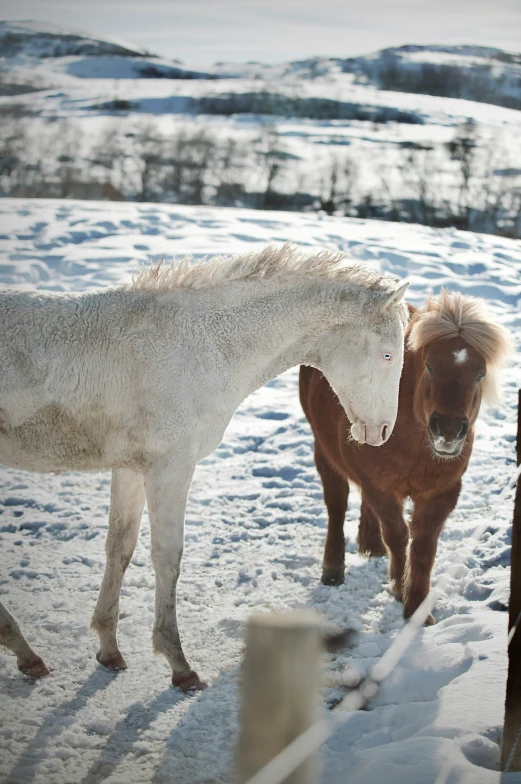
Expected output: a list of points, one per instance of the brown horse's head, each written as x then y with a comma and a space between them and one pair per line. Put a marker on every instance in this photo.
460, 350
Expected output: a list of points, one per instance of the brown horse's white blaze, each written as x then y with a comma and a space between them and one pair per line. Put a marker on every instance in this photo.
454, 353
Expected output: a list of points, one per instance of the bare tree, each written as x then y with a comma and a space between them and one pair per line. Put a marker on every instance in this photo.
462, 148
190, 158
109, 159
337, 185
13, 146
270, 156
419, 173
148, 153
228, 172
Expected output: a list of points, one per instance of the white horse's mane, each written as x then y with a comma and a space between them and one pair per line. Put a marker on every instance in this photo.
285, 264
451, 315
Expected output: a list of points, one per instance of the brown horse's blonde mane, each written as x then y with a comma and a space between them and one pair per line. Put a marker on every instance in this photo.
284, 264
452, 315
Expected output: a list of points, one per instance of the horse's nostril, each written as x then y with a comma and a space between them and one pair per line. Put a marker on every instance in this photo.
434, 424
463, 429
385, 430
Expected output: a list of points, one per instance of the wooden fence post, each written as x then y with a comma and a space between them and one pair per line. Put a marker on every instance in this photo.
513, 698
280, 689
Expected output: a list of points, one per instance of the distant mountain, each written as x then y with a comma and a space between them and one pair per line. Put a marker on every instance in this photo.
31, 50
38, 39
477, 73
23, 42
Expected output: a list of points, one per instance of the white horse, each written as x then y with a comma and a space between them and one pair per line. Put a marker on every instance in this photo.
144, 379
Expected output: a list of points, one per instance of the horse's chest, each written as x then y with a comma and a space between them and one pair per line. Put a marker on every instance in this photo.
411, 471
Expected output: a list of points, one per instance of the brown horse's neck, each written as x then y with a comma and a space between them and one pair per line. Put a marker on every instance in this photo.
408, 385
410, 375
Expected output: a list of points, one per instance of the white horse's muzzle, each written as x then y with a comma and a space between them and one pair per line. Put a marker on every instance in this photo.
374, 435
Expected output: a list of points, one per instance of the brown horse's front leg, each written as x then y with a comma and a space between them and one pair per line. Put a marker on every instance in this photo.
336, 493
370, 540
395, 533
427, 522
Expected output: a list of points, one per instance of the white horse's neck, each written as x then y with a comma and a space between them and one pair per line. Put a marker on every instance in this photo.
264, 328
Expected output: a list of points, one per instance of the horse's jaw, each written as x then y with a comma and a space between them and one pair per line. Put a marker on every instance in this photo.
446, 449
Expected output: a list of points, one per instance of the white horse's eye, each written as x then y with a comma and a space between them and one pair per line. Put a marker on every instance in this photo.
388, 357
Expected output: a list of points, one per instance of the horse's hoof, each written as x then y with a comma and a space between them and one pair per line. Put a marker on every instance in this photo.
332, 575
115, 662
190, 681
396, 588
372, 552
35, 668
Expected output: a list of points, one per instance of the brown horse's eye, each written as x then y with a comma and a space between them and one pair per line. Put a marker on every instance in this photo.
428, 367
482, 375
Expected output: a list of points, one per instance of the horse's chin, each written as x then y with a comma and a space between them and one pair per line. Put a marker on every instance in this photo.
449, 453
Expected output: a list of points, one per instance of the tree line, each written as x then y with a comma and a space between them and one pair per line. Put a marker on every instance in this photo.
468, 182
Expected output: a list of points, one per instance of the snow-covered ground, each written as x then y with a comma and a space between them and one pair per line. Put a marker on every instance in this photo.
254, 536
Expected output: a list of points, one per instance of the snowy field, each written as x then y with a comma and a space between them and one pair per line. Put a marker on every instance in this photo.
255, 530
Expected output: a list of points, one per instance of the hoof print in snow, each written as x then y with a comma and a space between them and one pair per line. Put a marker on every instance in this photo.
336, 641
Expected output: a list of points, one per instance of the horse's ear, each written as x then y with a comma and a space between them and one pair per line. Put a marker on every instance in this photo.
396, 296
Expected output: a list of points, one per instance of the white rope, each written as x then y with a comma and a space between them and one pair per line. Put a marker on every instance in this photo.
514, 628
292, 756
443, 775
513, 750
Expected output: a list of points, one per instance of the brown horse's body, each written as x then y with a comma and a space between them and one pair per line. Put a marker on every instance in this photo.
424, 459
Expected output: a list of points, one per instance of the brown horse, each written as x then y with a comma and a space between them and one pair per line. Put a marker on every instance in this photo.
454, 351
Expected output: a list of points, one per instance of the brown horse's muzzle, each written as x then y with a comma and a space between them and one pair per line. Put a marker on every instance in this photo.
447, 434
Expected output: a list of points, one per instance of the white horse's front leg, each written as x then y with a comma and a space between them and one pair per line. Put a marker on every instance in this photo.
167, 491
11, 636
127, 499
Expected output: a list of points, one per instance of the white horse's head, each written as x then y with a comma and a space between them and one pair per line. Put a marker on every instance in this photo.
364, 366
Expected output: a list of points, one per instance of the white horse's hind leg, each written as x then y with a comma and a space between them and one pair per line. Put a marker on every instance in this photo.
127, 499
11, 636
167, 492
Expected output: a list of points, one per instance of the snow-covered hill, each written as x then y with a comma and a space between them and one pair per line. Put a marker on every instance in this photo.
25, 44
478, 73
30, 38
254, 536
